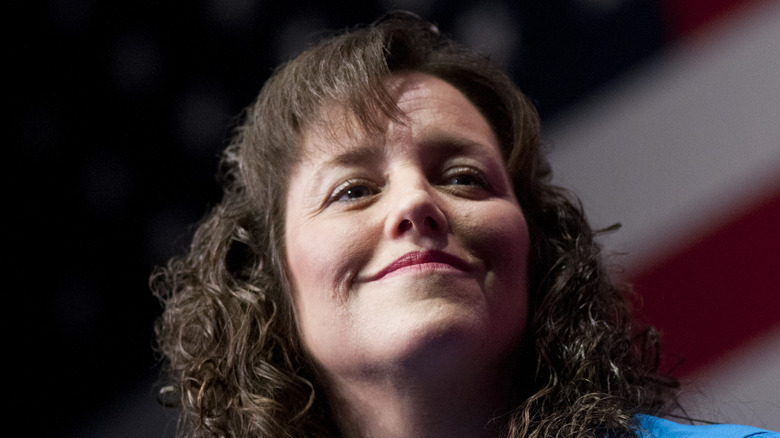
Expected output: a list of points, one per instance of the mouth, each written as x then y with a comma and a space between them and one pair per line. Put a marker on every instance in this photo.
420, 261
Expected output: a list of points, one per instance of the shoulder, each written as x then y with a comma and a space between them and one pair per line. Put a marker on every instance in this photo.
654, 427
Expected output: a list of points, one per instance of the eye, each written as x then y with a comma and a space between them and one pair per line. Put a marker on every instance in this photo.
353, 190
465, 176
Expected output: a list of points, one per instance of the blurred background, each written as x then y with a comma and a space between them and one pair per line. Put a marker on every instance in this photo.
663, 115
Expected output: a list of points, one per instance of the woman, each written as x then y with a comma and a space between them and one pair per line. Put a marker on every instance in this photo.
390, 259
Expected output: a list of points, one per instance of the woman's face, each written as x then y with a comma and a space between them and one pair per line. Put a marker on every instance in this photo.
407, 248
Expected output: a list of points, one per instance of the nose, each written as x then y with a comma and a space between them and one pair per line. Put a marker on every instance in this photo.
415, 211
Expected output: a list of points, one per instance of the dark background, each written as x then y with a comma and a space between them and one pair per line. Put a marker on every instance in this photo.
118, 112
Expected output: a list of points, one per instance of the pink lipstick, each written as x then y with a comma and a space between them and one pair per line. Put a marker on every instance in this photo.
416, 260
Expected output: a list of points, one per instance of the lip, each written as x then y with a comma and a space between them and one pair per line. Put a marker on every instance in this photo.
418, 258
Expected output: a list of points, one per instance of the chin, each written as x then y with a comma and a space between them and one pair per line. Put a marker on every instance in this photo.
445, 335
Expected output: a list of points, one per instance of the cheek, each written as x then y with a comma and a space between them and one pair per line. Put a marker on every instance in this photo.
323, 257
517, 243
510, 269
308, 268
500, 238
514, 238
500, 234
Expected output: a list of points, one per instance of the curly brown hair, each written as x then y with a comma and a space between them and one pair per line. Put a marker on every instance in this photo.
235, 360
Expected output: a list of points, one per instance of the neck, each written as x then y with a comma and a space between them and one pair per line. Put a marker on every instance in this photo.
470, 402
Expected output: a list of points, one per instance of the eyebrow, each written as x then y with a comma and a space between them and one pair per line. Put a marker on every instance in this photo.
445, 144
440, 145
351, 156
356, 155
453, 145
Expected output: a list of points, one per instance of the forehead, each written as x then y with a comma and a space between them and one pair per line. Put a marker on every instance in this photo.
423, 102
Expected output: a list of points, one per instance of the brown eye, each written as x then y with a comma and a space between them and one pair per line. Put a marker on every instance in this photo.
355, 192
465, 180
465, 177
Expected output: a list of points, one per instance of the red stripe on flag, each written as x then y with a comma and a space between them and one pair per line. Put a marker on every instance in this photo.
687, 16
718, 292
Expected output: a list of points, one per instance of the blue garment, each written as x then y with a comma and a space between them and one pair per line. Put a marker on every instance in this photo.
654, 427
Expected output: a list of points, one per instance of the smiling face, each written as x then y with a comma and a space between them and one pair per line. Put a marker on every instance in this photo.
407, 248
